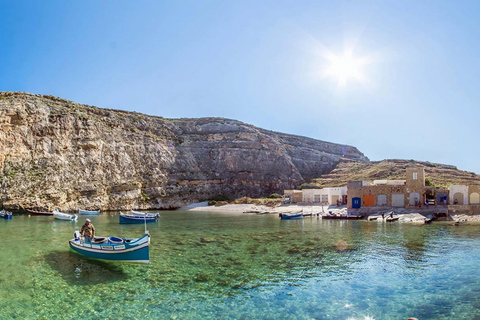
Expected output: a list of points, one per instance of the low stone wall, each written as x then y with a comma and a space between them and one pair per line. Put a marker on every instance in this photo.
466, 209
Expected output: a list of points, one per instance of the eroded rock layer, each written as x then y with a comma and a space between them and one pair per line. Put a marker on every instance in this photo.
56, 153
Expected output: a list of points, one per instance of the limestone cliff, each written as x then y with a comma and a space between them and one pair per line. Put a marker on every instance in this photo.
57, 153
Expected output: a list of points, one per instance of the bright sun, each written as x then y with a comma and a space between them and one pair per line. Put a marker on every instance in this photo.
345, 67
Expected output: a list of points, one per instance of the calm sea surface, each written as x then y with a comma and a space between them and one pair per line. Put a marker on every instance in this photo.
243, 266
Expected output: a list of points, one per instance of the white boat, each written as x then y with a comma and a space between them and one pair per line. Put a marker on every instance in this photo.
88, 213
64, 216
138, 213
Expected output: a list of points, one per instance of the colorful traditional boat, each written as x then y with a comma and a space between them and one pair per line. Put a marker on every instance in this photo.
113, 248
5, 214
137, 218
64, 216
88, 213
39, 213
288, 216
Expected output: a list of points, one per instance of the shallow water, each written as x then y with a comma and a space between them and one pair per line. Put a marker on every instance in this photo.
243, 266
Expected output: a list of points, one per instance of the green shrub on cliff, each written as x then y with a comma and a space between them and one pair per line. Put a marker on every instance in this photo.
275, 196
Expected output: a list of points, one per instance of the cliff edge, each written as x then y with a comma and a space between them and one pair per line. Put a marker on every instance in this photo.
56, 153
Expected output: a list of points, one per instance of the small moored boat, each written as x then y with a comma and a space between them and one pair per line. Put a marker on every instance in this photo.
138, 213
113, 248
64, 216
5, 214
392, 218
138, 218
88, 212
39, 213
341, 217
288, 216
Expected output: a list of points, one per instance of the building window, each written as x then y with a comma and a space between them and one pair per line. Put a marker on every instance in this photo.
415, 176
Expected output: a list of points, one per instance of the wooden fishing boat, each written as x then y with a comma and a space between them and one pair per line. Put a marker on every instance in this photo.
288, 216
64, 216
135, 218
113, 248
39, 213
5, 214
88, 212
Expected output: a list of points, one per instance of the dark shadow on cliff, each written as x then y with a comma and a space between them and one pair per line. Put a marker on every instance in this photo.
78, 270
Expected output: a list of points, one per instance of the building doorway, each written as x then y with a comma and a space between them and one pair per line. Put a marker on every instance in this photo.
458, 198
414, 199
442, 199
368, 200
382, 200
398, 200
356, 202
474, 198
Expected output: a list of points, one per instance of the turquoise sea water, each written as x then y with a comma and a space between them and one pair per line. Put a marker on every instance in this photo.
243, 266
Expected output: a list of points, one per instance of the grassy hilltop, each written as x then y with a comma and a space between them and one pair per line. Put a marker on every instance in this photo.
436, 174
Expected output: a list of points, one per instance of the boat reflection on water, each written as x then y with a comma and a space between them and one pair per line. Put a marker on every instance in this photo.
77, 270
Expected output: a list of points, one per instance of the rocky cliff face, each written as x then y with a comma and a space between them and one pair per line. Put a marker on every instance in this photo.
57, 153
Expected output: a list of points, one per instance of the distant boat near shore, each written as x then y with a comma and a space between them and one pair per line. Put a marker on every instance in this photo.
289, 216
332, 216
39, 213
64, 216
138, 217
5, 214
88, 212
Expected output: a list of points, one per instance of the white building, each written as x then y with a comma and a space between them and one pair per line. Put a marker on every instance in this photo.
325, 195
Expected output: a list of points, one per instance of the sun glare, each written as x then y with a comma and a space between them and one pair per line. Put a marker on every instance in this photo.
344, 68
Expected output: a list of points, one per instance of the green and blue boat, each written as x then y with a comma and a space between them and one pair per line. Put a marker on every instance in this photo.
113, 248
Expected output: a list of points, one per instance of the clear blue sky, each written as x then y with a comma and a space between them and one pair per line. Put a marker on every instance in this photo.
264, 62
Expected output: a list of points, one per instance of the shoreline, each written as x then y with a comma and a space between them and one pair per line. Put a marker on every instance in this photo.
405, 215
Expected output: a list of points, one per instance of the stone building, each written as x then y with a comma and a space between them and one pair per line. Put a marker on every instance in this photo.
411, 192
295, 196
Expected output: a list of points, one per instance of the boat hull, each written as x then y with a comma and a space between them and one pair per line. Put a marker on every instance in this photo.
392, 219
39, 213
5, 214
342, 217
284, 216
134, 251
64, 216
124, 218
88, 213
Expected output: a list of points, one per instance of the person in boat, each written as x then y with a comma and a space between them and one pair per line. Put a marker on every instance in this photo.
88, 231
